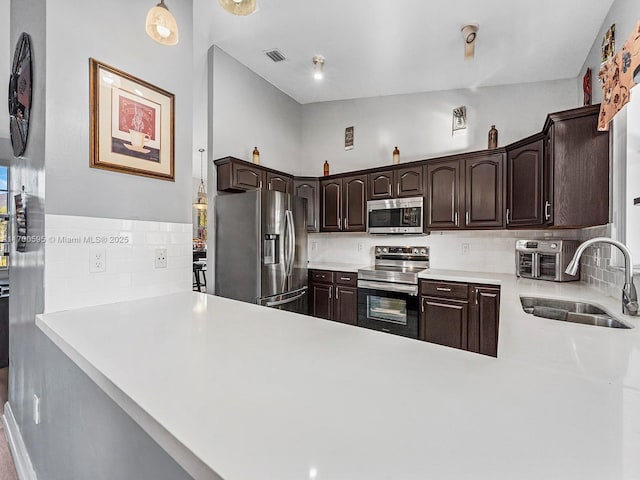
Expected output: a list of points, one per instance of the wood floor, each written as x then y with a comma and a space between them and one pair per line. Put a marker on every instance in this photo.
7, 468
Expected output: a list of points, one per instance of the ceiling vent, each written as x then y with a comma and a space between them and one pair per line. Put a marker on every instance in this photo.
275, 55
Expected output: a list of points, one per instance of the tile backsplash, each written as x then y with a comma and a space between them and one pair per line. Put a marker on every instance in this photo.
488, 251
129, 248
596, 264
481, 251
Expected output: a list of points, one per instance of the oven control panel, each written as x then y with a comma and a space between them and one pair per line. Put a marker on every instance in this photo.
401, 251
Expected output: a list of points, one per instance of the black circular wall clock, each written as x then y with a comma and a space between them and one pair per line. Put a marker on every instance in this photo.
20, 95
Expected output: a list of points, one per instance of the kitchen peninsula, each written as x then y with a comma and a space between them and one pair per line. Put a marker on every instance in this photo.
261, 393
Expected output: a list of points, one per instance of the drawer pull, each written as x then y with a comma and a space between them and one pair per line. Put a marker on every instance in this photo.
442, 289
345, 278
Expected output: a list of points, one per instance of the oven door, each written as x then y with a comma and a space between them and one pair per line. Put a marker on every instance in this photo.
548, 266
388, 307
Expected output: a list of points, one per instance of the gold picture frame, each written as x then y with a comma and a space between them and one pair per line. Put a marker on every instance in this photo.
132, 124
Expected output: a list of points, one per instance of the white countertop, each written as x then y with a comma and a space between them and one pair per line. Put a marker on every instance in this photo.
256, 393
336, 267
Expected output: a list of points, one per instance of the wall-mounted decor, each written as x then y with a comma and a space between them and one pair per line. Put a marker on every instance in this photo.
586, 87
21, 221
617, 78
132, 124
348, 138
20, 86
609, 44
459, 119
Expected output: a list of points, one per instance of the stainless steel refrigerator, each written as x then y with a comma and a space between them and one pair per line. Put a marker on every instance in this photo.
261, 249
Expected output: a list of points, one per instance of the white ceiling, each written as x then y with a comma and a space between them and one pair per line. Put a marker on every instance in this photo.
385, 47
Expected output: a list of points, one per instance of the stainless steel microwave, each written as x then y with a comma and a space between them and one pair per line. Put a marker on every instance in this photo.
395, 216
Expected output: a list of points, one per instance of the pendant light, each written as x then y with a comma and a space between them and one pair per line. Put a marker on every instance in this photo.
161, 25
201, 203
318, 67
239, 7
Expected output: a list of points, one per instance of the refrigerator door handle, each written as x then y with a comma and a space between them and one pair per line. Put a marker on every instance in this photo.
291, 240
268, 302
292, 259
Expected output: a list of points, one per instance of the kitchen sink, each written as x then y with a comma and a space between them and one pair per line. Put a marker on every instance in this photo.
569, 311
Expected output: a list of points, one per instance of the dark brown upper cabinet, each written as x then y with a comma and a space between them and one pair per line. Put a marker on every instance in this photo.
235, 175
343, 204
465, 193
279, 183
396, 183
307, 187
559, 178
443, 194
484, 191
579, 164
525, 184
331, 205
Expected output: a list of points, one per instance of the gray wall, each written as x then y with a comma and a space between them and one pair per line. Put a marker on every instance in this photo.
65, 33
248, 111
93, 437
26, 276
420, 124
6, 57
117, 38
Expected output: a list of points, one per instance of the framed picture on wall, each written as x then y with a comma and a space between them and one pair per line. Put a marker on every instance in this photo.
132, 124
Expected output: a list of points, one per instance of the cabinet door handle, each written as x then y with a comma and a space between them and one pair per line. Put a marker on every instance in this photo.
260, 184
330, 292
346, 223
398, 189
269, 187
337, 293
475, 292
547, 214
422, 306
455, 218
466, 217
442, 289
389, 190
508, 212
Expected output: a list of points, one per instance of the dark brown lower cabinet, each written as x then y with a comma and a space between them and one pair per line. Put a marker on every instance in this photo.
484, 316
445, 321
460, 315
346, 305
334, 296
321, 304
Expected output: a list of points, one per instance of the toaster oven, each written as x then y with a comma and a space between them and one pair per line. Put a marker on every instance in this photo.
545, 259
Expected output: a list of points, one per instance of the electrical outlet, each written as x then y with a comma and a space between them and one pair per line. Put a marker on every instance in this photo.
98, 260
360, 247
465, 249
314, 245
161, 258
36, 409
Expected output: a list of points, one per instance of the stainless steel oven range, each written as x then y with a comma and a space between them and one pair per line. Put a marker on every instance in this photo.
388, 291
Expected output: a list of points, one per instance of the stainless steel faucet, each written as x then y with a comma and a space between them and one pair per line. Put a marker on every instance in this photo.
629, 295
